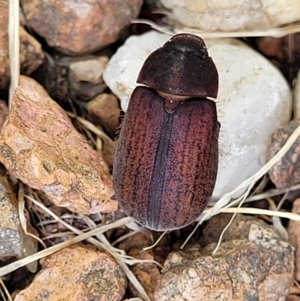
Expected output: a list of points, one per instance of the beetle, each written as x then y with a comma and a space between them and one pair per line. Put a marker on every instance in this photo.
166, 159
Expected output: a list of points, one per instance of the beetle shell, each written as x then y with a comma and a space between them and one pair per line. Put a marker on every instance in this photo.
181, 67
167, 155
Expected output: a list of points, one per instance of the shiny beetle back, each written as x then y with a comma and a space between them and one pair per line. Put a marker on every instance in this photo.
167, 155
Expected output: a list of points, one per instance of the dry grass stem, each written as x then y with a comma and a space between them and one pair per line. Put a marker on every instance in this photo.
271, 193
277, 32
256, 211
5, 291
157, 241
24, 261
14, 47
22, 217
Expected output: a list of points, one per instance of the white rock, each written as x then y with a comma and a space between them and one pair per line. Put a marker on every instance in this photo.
254, 99
89, 68
233, 15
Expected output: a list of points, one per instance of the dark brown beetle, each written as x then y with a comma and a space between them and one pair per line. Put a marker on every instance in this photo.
167, 155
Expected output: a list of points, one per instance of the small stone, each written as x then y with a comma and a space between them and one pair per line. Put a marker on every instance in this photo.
271, 47
239, 228
31, 54
282, 52
108, 152
259, 267
147, 273
212, 15
85, 77
81, 83
89, 69
192, 273
105, 110
286, 172
79, 27
253, 100
40, 146
77, 273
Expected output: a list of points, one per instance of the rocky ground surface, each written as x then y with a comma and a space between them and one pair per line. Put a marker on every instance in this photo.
62, 233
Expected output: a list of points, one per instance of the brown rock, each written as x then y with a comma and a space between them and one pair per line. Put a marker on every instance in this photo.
40, 146
286, 172
294, 236
283, 52
31, 55
108, 152
78, 273
271, 47
258, 268
238, 229
146, 273
105, 109
79, 27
